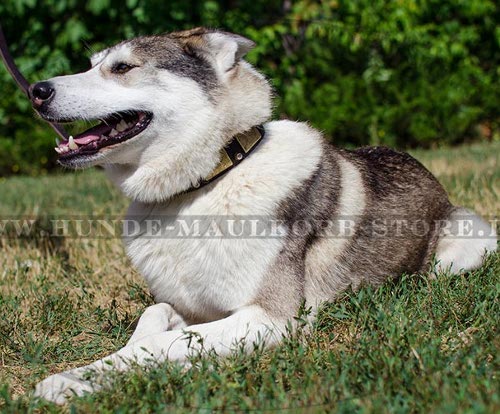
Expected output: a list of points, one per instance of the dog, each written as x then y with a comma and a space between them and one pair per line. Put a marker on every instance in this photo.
185, 133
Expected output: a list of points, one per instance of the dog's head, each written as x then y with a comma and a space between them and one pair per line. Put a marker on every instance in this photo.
156, 95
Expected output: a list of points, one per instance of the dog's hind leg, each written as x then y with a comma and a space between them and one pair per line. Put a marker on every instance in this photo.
246, 326
157, 318
465, 240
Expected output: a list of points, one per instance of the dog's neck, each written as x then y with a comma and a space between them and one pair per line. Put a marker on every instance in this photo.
238, 148
194, 146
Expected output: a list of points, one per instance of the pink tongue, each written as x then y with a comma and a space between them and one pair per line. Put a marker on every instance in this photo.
93, 134
86, 139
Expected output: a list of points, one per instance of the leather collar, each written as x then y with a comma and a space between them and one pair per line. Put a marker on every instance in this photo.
232, 154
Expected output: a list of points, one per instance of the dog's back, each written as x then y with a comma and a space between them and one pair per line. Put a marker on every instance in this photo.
388, 212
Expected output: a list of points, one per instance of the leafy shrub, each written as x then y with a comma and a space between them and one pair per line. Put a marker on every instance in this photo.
403, 72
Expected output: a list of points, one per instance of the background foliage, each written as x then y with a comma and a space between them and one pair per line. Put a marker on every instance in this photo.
401, 72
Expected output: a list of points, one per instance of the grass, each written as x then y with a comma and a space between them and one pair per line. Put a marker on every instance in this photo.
414, 345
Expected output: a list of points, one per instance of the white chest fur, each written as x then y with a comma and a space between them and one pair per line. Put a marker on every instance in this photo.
206, 278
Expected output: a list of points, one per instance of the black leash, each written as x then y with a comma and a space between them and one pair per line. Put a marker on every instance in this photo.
21, 80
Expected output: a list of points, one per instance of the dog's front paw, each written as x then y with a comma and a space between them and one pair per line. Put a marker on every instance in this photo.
57, 388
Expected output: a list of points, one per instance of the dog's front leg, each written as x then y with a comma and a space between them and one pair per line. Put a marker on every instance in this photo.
157, 318
250, 324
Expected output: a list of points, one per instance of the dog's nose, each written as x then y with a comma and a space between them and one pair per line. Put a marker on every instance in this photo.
41, 92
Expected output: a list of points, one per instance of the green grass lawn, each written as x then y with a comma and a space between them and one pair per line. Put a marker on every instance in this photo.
414, 345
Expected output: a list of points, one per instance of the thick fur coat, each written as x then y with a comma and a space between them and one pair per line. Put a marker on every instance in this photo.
338, 213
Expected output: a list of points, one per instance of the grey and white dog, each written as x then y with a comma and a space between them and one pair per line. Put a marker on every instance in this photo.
170, 104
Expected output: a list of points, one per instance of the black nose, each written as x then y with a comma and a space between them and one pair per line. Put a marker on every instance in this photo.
41, 91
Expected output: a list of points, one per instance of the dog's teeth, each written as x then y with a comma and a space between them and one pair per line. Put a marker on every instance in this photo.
58, 150
113, 133
122, 126
58, 141
72, 144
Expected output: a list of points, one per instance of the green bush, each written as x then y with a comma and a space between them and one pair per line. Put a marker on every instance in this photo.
404, 73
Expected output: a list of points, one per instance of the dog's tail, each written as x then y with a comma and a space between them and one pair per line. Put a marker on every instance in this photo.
465, 240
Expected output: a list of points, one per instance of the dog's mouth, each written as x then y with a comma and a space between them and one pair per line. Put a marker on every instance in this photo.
114, 129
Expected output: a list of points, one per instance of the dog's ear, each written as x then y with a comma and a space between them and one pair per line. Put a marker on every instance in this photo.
223, 49
228, 48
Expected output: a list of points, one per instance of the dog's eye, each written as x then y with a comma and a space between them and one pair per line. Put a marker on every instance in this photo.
121, 68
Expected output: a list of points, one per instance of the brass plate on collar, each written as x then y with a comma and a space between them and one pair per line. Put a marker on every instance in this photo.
224, 163
248, 139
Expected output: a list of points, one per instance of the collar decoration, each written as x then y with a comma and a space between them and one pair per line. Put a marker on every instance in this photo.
233, 153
